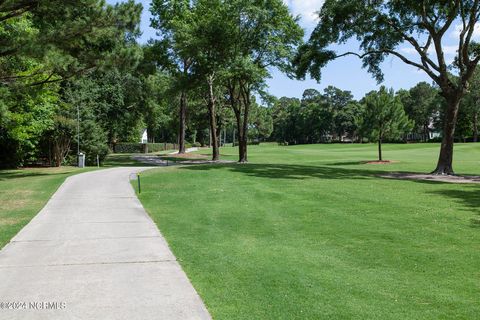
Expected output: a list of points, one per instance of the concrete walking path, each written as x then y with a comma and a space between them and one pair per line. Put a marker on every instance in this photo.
94, 253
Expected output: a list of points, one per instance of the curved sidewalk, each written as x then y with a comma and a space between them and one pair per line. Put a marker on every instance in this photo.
94, 253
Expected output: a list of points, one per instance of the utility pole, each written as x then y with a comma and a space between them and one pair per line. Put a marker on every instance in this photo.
78, 130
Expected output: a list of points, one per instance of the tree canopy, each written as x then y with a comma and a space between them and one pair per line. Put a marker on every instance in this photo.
383, 118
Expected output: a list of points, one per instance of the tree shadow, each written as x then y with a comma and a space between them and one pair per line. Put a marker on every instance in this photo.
468, 198
125, 160
18, 174
294, 172
347, 163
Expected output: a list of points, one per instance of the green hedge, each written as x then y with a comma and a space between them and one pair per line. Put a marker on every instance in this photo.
142, 147
157, 147
128, 148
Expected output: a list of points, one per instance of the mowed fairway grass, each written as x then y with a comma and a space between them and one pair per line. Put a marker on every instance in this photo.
24, 192
310, 232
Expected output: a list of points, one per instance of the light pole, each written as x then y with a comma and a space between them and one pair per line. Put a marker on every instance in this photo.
80, 157
78, 130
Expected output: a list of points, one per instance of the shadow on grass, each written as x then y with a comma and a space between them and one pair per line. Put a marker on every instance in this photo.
122, 160
347, 163
469, 198
295, 172
182, 159
23, 173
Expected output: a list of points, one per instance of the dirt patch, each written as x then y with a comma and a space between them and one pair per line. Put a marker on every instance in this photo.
381, 162
431, 177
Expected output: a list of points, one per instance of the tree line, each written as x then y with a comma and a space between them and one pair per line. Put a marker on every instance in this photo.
76, 66
414, 115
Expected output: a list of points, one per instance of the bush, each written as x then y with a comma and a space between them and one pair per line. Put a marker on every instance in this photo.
196, 145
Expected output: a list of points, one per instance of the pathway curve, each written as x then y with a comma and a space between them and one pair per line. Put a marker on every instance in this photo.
94, 253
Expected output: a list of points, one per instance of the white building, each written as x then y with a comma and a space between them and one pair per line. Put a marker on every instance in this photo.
144, 136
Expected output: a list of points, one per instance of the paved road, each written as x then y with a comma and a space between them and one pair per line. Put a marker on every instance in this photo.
94, 253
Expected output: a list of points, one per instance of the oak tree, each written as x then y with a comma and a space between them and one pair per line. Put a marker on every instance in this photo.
383, 28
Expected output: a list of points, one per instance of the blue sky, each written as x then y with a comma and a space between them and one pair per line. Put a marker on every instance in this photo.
345, 73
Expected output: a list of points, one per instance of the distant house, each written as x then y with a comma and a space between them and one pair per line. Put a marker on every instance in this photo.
144, 136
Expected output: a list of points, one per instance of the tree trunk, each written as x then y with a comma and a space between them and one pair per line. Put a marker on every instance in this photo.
61, 148
182, 121
241, 136
242, 147
242, 144
380, 158
475, 127
213, 120
242, 122
426, 135
445, 159
242, 141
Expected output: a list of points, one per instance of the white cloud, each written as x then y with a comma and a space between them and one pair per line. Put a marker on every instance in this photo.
307, 9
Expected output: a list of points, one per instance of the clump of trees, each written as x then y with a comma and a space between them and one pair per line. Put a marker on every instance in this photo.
224, 50
316, 118
48, 46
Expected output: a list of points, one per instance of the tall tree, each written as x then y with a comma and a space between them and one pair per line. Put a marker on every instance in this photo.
67, 37
384, 118
472, 104
174, 20
264, 34
210, 47
283, 115
339, 101
421, 105
383, 28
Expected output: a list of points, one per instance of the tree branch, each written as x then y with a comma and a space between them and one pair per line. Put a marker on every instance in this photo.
398, 55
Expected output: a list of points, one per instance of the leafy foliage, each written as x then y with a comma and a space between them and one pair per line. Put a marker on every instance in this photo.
383, 117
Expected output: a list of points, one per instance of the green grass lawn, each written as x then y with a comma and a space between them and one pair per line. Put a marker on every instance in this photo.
24, 192
309, 232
